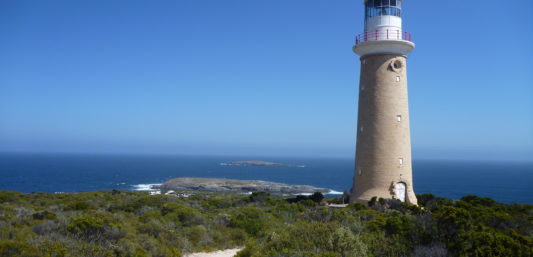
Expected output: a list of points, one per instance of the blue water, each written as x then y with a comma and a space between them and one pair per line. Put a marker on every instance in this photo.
505, 182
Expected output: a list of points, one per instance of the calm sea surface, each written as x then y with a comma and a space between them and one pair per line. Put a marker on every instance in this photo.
505, 182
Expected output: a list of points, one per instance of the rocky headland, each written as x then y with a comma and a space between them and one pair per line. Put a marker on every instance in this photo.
236, 186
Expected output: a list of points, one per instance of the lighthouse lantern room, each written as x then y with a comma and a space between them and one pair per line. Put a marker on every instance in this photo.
383, 15
383, 22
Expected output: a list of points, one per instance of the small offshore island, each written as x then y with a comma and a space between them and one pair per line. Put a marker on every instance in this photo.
236, 186
259, 163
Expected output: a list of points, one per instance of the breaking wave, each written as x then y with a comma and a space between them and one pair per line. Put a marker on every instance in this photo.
145, 187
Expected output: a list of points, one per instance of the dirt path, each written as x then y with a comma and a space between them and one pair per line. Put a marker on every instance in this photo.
225, 253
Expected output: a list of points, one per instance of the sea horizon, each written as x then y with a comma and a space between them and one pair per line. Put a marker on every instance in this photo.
251, 156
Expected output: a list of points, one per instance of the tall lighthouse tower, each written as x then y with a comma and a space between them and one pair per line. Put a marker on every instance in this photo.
383, 152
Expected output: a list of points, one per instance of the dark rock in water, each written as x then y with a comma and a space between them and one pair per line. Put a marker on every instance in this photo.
236, 186
259, 163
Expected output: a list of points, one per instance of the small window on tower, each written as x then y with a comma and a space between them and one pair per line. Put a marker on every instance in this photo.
396, 65
364, 61
401, 161
397, 78
399, 118
360, 172
362, 87
361, 129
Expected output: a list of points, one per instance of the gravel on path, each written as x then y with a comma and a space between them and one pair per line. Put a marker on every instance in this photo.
224, 253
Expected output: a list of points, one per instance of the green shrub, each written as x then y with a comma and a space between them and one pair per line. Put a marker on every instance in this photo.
53, 248
452, 220
426, 200
186, 216
198, 235
8, 196
346, 244
44, 215
171, 207
139, 201
78, 206
357, 206
251, 250
86, 226
252, 219
153, 228
476, 200
491, 244
18, 249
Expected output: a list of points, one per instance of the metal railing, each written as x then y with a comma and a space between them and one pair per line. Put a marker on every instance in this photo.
385, 34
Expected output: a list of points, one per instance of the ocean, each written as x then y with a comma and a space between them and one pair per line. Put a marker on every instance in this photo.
504, 182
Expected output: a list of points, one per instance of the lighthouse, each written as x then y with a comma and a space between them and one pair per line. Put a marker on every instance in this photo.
383, 150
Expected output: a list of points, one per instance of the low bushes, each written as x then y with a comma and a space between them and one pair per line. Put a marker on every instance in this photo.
123, 223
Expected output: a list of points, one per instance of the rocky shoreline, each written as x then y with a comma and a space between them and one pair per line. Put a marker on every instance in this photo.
236, 186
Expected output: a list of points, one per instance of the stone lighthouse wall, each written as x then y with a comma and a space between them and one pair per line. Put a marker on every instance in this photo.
383, 152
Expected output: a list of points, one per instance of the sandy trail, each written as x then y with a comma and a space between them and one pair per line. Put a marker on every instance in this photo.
225, 253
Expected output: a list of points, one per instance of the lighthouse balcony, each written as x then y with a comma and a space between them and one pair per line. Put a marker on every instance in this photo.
384, 41
383, 34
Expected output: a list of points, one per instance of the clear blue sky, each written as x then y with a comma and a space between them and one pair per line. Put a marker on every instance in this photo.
264, 78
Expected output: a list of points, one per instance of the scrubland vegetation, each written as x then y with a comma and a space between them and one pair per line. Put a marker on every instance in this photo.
123, 223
